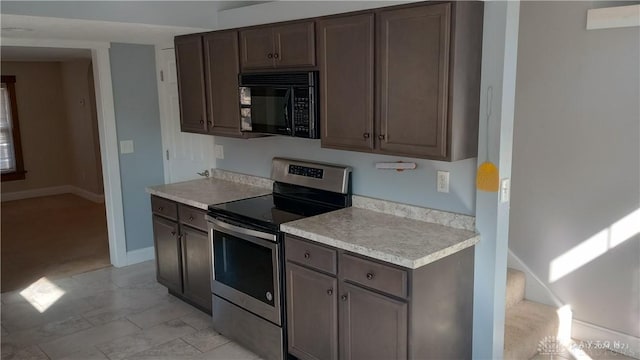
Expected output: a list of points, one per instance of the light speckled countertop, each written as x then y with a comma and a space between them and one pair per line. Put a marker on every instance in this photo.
406, 242
204, 192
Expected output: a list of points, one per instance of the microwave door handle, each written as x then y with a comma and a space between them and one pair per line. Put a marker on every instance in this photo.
288, 105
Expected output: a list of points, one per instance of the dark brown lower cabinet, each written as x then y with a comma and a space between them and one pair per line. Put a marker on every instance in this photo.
183, 252
312, 312
168, 259
373, 326
196, 266
383, 311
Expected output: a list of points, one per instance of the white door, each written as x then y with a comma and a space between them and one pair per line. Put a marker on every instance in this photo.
184, 154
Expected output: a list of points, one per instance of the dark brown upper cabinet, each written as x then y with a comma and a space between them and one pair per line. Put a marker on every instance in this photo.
280, 46
222, 69
427, 82
413, 64
346, 61
208, 67
191, 87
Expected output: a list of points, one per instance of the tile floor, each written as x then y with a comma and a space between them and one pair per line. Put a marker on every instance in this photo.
111, 313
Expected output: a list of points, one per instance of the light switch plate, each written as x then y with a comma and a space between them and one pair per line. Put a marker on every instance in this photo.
126, 146
219, 151
505, 190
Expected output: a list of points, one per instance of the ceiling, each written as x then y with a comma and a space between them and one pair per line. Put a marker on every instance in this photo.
199, 14
37, 27
23, 53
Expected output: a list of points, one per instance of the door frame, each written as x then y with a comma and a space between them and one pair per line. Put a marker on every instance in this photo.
107, 131
164, 114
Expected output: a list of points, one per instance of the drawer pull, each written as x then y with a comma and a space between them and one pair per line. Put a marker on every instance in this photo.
370, 276
160, 208
343, 297
191, 218
173, 233
307, 255
330, 292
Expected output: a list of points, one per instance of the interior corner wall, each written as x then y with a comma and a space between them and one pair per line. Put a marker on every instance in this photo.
43, 127
137, 115
82, 125
576, 161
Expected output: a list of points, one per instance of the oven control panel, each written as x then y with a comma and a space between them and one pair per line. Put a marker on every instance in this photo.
306, 171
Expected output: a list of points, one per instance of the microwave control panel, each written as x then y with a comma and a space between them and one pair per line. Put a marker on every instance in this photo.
306, 171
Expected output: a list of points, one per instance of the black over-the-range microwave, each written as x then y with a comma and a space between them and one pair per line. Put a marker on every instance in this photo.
280, 103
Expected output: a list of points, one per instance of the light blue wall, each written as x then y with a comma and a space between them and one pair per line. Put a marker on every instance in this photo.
135, 98
417, 187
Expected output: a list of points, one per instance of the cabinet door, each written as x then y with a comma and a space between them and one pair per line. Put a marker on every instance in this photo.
312, 317
372, 326
295, 45
222, 68
168, 259
345, 53
413, 68
196, 266
191, 88
257, 48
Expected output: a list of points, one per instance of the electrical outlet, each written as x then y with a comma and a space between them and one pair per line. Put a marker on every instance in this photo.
219, 151
443, 181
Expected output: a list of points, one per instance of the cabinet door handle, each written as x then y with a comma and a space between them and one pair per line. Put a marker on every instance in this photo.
270, 56
201, 122
276, 55
366, 135
209, 123
370, 276
381, 137
307, 255
343, 297
330, 292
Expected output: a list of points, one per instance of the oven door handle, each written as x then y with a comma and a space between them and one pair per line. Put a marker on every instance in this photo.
224, 226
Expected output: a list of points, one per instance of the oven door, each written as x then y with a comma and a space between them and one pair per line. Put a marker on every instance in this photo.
266, 109
246, 268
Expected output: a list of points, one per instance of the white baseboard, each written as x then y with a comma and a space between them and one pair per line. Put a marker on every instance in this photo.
91, 196
619, 342
140, 255
54, 190
27, 194
535, 290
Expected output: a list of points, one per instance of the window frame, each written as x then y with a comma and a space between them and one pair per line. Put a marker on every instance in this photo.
19, 173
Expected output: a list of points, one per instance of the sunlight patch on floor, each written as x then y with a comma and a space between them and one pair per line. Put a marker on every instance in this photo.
42, 294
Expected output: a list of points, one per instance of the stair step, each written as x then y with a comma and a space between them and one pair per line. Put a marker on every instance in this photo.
526, 324
515, 287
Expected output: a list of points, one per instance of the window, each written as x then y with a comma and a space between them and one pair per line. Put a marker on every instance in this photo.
11, 165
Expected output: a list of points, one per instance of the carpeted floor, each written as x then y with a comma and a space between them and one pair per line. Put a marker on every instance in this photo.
52, 236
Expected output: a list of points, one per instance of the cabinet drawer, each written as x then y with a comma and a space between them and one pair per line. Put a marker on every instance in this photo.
377, 276
311, 255
193, 217
164, 207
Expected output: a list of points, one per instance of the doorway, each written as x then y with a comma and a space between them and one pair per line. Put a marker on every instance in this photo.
53, 215
104, 104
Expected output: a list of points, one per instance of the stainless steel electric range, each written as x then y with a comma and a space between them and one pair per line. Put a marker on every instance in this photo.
248, 260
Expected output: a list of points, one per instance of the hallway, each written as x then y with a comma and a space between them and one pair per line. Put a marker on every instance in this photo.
53, 236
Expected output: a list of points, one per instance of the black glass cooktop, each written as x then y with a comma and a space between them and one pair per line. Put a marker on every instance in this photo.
260, 211
269, 211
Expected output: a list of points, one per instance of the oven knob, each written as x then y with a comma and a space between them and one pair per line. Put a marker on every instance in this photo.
269, 296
